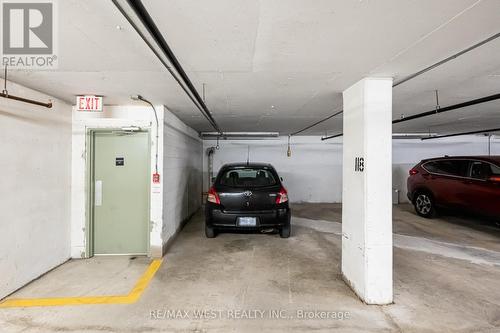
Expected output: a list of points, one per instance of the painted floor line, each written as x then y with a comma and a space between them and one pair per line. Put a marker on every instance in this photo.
130, 298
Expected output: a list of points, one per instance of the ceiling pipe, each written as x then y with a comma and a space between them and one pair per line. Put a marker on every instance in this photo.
444, 61
5, 94
462, 133
412, 135
414, 75
157, 36
449, 108
26, 100
331, 136
140, 98
394, 136
146, 19
317, 123
436, 111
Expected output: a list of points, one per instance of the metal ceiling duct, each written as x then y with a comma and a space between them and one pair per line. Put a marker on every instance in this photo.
161, 46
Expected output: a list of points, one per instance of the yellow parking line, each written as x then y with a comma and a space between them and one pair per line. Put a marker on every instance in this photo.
132, 296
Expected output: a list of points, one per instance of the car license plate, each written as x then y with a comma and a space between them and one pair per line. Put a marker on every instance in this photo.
247, 221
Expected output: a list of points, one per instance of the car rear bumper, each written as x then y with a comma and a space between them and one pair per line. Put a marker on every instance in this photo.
228, 219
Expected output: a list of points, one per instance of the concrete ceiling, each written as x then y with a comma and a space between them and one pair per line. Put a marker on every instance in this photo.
281, 65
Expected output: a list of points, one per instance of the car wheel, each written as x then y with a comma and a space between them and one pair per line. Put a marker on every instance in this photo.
285, 231
424, 205
209, 232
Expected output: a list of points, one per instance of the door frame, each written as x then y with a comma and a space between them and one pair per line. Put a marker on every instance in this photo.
89, 187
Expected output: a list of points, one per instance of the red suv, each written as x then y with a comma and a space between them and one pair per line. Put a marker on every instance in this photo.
464, 182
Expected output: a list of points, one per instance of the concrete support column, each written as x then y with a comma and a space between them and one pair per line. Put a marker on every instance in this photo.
367, 190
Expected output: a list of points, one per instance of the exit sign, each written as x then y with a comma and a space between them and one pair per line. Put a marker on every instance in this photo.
89, 103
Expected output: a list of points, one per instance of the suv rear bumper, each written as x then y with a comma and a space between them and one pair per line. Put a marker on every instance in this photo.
215, 217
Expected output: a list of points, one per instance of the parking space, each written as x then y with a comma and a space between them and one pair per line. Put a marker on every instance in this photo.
295, 277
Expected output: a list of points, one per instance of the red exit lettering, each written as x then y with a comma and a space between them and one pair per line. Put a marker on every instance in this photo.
89, 103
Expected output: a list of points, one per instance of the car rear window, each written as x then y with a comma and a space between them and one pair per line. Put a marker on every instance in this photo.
480, 170
448, 167
483, 170
247, 177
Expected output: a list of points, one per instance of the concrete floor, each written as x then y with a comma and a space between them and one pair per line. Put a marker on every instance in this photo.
446, 279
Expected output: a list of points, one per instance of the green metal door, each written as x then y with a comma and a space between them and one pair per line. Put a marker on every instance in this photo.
120, 192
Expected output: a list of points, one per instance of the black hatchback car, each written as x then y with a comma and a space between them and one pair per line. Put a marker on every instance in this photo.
247, 196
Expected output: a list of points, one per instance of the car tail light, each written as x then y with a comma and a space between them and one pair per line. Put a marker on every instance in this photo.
413, 172
495, 179
282, 196
213, 196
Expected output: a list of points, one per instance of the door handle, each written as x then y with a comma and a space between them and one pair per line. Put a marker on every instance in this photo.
98, 193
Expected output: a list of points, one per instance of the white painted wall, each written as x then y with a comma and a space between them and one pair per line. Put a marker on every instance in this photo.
183, 169
179, 161
314, 171
312, 174
35, 148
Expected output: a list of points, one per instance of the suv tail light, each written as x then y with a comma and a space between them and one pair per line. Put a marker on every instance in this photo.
413, 172
282, 196
213, 196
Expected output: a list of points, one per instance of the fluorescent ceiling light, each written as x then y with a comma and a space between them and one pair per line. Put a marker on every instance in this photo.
241, 135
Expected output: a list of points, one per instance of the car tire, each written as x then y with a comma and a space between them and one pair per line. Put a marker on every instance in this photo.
285, 230
210, 232
424, 205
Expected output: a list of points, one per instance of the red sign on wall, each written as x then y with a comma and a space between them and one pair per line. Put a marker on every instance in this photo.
89, 103
156, 178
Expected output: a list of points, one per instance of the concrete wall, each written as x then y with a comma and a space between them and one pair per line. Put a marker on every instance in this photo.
35, 148
179, 165
182, 170
314, 171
